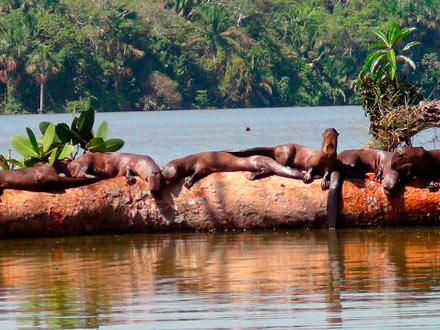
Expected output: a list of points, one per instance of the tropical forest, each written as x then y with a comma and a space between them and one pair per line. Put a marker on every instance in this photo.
125, 55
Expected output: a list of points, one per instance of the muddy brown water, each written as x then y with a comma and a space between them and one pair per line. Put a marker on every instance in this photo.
381, 278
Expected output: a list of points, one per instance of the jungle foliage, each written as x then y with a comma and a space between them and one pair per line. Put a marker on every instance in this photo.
173, 54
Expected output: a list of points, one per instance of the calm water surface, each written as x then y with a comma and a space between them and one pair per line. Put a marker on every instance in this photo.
372, 279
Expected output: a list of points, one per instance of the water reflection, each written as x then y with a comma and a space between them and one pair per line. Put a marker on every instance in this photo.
263, 279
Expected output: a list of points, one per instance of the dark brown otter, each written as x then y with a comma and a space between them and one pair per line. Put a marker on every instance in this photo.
372, 161
204, 163
353, 164
111, 164
301, 157
416, 161
40, 177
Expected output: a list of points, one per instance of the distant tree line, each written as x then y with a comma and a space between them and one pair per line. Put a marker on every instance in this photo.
119, 55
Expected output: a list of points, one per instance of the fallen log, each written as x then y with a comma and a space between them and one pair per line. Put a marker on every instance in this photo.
218, 202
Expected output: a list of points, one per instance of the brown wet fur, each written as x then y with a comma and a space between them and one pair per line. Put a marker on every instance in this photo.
417, 161
199, 165
111, 164
40, 177
302, 157
372, 161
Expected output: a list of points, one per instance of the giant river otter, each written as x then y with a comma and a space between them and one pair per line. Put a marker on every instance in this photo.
418, 161
40, 177
112, 164
202, 164
301, 157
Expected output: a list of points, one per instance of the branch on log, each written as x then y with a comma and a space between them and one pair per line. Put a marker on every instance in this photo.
219, 201
397, 126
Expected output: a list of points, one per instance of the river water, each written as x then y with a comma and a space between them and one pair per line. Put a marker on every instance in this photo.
372, 279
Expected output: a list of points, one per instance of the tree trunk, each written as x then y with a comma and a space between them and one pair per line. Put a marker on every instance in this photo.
40, 111
218, 202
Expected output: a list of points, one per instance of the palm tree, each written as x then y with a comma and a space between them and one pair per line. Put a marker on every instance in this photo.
385, 59
13, 44
8, 65
41, 63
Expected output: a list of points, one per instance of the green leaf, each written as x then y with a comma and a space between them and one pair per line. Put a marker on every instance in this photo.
4, 163
114, 144
381, 36
402, 34
66, 134
53, 156
375, 63
65, 151
102, 131
407, 60
74, 125
378, 45
96, 145
392, 60
392, 31
48, 137
371, 58
43, 126
32, 140
18, 163
410, 45
85, 123
23, 146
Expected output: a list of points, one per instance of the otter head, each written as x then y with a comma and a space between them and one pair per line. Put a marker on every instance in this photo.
390, 181
170, 173
330, 141
404, 158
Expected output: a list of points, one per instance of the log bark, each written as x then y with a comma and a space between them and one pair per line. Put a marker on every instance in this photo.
221, 201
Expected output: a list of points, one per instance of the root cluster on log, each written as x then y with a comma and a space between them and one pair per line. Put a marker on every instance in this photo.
219, 201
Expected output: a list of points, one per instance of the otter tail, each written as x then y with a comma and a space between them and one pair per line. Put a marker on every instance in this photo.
281, 170
333, 199
258, 151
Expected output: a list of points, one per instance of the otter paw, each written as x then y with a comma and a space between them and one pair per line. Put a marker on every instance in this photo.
251, 176
307, 178
325, 184
434, 186
188, 184
130, 180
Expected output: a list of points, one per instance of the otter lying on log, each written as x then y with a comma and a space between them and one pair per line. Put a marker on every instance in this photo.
416, 161
111, 164
362, 161
40, 177
204, 163
301, 157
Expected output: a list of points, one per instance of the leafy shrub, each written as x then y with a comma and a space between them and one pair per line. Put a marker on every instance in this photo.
59, 141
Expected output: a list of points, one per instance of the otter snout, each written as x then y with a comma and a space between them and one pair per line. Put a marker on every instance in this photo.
169, 174
155, 182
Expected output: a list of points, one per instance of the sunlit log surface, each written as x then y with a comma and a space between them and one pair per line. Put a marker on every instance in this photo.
220, 201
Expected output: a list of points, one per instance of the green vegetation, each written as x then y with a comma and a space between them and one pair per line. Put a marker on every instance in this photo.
385, 94
62, 55
59, 141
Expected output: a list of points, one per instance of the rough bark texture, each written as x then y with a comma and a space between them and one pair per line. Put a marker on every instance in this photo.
220, 201
400, 124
